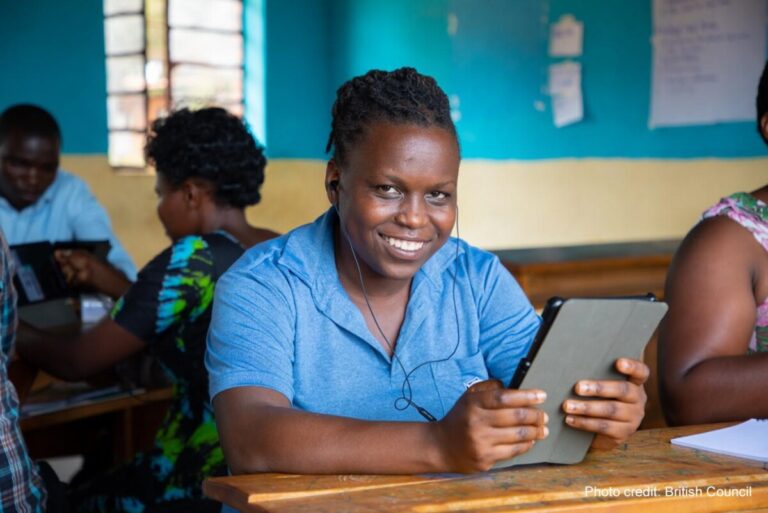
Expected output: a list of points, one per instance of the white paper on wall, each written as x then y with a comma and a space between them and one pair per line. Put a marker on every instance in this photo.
566, 37
565, 90
707, 60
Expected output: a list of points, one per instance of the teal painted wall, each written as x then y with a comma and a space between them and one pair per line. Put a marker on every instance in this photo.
315, 46
52, 54
495, 69
500, 58
300, 90
370, 34
255, 55
494, 66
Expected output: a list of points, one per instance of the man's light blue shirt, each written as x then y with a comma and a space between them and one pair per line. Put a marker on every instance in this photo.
66, 211
282, 320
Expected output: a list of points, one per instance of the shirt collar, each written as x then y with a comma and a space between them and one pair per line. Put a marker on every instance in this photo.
309, 253
46, 198
50, 192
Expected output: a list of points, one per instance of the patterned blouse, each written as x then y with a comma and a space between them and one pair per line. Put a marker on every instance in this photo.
169, 308
752, 214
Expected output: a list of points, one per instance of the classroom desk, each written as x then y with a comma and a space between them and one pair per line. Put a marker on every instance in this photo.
130, 418
631, 478
592, 270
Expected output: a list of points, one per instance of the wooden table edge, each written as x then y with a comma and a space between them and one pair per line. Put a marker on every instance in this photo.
95, 407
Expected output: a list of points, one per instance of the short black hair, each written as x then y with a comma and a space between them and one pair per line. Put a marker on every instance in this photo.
211, 144
762, 100
30, 120
400, 96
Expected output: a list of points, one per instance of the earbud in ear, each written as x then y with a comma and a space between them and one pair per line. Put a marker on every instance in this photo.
333, 186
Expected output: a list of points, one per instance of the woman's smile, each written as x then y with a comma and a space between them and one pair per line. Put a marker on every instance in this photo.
409, 249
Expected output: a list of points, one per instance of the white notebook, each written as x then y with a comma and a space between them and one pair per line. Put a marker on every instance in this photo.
746, 440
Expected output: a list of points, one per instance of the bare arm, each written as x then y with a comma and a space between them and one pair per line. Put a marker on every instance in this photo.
22, 375
260, 432
705, 373
76, 358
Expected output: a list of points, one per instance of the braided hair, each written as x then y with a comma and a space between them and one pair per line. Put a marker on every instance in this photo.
402, 96
211, 144
762, 100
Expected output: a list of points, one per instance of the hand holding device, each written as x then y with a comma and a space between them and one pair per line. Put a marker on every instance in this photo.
618, 407
489, 423
582, 359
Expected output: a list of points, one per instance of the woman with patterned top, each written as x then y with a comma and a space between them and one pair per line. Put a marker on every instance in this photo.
209, 168
713, 344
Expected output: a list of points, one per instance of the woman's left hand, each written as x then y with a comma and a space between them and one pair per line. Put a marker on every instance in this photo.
618, 414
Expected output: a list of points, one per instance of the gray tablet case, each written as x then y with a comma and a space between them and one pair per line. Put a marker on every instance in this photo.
584, 342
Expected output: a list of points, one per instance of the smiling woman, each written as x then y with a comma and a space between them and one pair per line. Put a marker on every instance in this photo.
330, 346
397, 197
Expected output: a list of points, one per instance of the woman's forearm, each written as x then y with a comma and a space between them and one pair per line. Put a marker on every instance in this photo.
718, 389
280, 439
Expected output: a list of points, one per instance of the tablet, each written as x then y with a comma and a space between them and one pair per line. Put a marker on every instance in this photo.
580, 338
45, 300
38, 276
99, 248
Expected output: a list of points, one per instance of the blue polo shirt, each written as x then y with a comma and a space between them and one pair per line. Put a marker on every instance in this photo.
282, 320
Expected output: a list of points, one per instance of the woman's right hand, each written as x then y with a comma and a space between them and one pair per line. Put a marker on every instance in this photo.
489, 423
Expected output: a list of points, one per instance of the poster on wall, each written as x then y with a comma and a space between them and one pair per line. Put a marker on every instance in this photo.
707, 60
566, 37
565, 90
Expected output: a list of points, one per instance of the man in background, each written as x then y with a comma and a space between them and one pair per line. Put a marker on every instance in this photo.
40, 202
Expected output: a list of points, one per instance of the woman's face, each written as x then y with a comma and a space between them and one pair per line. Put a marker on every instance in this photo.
397, 196
172, 209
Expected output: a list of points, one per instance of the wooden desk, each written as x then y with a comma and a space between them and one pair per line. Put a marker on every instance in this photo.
592, 270
118, 402
645, 474
130, 419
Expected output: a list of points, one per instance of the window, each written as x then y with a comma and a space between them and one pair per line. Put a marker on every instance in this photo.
168, 54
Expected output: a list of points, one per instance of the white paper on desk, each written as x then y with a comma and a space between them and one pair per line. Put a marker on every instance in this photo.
565, 89
566, 37
746, 440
